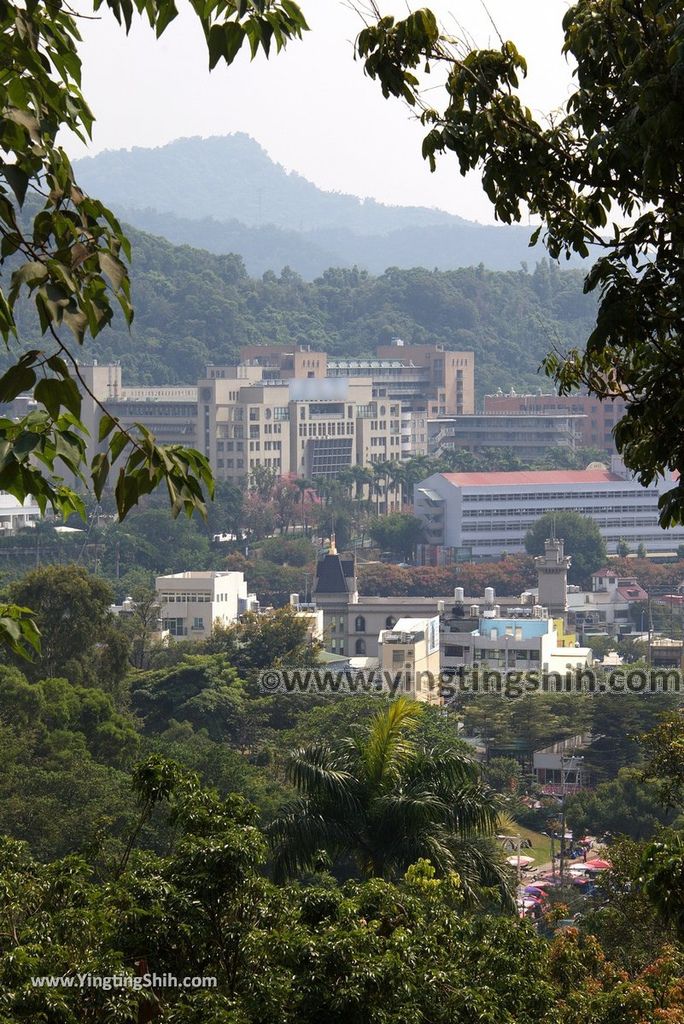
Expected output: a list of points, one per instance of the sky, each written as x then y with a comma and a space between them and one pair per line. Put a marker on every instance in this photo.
310, 107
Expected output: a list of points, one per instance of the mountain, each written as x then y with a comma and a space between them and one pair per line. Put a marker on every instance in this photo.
225, 194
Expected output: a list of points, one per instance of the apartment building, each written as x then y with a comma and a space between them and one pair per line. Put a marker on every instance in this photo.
190, 603
483, 515
304, 427
598, 418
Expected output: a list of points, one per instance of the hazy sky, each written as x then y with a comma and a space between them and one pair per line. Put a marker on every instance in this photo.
310, 107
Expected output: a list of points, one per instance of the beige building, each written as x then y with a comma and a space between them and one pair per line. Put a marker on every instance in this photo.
285, 411
169, 412
304, 427
410, 651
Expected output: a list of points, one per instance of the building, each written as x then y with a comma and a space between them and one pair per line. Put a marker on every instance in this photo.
596, 424
309, 427
559, 770
606, 608
409, 651
530, 640
484, 515
424, 378
663, 652
190, 603
352, 623
530, 435
16, 515
311, 616
169, 412
552, 574
294, 411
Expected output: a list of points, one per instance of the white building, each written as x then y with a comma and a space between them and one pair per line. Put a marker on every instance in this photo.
510, 644
410, 650
14, 515
192, 602
483, 515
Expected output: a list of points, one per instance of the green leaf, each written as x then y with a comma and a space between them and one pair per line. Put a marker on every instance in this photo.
18, 378
99, 472
17, 179
107, 424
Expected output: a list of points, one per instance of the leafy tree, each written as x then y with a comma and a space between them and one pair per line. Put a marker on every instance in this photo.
72, 612
224, 513
202, 905
602, 175
503, 774
151, 539
583, 542
262, 481
262, 641
142, 623
384, 801
288, 551
665, 757
399, 533
617, 724
627, 805
662, 876
629, 927
203, 690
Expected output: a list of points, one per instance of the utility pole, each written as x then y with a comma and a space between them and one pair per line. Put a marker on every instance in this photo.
564, 777
562, 835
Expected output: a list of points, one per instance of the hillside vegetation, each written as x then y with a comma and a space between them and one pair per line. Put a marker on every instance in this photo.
192, 307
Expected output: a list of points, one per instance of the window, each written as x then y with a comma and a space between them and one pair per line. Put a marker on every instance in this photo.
389, 622
198, 622
398, 657
361, 646
174, 626
360, 625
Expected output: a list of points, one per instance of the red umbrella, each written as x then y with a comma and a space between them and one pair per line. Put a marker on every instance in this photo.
598, 864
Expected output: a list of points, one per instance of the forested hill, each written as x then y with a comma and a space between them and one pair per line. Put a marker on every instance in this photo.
225, 194
193, 307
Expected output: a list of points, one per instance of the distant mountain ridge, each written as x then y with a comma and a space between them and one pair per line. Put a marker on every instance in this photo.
225, 194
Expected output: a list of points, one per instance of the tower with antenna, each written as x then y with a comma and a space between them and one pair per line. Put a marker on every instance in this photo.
552, 576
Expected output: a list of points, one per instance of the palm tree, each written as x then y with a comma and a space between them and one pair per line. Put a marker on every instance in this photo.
363, 478
302, 485
383, 800
395, 481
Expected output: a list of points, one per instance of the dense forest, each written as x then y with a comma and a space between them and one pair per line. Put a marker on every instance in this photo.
193, 308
